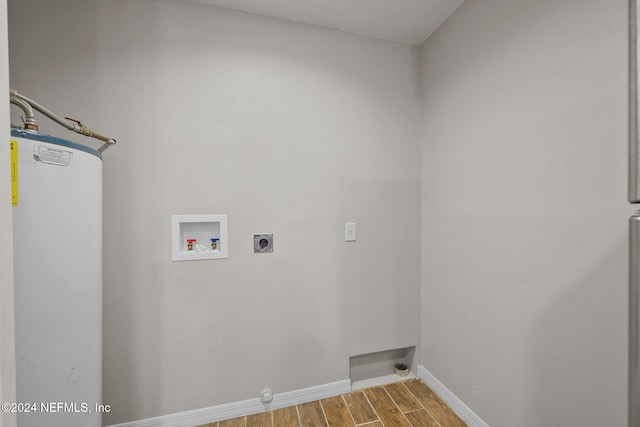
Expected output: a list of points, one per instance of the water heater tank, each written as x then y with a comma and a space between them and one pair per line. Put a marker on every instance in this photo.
57, 226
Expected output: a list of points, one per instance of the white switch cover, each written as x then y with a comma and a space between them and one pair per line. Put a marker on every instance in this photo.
350, 229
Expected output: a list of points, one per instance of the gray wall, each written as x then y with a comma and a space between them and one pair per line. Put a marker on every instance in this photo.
524, 219
7, 339
286, 128
523, 154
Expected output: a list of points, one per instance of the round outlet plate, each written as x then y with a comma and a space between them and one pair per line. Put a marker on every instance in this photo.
266, 396
262, 243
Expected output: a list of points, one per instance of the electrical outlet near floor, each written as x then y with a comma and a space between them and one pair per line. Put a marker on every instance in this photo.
266, 395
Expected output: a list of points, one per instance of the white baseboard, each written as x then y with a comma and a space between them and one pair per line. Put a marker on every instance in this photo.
458, 406
242, 408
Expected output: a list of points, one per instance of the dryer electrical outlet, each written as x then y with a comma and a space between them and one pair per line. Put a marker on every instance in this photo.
262, 243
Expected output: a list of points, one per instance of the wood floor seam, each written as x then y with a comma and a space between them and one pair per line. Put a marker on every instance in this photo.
428, 412
324, 413
298, 413
373, 408
397, 406
408, 420
348, 409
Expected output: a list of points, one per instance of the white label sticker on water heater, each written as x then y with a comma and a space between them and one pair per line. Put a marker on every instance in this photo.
52, 156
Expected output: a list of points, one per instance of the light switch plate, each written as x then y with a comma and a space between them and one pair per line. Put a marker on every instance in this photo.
350, 231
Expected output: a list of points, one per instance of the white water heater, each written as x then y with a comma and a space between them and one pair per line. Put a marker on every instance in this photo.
57, 229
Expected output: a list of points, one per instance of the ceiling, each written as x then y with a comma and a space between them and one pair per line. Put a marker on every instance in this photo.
408, 21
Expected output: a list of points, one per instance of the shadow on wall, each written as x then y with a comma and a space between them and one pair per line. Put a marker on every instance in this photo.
577, 346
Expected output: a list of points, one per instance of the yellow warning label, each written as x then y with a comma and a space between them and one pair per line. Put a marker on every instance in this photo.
14, 172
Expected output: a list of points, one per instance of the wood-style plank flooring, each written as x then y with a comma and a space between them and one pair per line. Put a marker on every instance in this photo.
404, 404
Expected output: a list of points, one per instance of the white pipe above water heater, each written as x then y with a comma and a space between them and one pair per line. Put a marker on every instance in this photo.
57, 226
